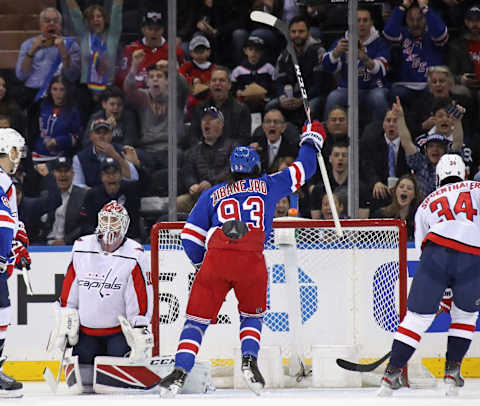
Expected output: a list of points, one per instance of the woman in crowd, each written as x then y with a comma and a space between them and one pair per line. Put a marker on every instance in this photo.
99, 35
406, 197
59, 124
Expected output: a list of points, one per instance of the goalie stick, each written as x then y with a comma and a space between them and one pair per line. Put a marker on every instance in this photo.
48, 375
272, 21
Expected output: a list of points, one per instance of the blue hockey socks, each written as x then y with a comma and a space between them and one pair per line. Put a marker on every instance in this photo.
189, 344
250, 333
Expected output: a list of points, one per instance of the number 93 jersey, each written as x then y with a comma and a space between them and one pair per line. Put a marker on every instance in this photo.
251, 200
450, 216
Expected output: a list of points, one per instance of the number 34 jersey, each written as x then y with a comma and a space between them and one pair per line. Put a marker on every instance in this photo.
450, 216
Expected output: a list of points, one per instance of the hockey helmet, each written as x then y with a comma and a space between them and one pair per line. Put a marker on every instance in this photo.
450, 165
244, 160
113, 222
10, 139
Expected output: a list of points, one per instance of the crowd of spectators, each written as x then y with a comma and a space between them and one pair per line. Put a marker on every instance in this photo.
92, 104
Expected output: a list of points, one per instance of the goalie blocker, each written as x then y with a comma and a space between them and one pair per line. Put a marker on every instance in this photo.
113, 375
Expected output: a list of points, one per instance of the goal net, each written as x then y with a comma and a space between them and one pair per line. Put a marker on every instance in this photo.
324, 292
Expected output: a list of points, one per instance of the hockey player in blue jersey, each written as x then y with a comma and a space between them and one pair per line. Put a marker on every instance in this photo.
224, 238
12, 251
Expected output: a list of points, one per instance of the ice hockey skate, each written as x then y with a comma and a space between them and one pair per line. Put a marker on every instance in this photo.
453, 380
251, 374
9, 387
391, 380
172, 383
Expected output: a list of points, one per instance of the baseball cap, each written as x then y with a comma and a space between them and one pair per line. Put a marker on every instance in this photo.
213, 111
100, 123
152, 17
473, 13
110, 163
197, 41
254, 41
63, 163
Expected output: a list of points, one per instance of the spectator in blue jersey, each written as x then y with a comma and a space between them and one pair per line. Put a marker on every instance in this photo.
373, 61
45, 55
309, 53
435, 145
206, 163
422, 44
58, 126
87, 163
252, 81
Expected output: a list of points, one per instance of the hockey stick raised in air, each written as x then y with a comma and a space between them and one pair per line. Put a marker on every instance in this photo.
268, 19
48, 375
353, 366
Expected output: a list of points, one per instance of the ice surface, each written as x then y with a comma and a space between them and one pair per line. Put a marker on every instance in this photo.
38, 394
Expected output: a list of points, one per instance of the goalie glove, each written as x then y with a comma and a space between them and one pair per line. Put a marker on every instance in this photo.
67, 324
313, 134
446, 302
139, 339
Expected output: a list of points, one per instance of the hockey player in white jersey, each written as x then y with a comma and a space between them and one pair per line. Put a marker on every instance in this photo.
447, 230
107, 281
12, 252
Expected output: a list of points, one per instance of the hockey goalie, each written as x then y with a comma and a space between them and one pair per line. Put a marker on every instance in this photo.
106, 305
105, 311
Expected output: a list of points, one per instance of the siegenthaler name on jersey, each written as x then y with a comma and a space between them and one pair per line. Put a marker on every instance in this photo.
453, 186
240, 186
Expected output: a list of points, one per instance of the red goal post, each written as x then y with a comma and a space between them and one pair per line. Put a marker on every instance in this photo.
349, 290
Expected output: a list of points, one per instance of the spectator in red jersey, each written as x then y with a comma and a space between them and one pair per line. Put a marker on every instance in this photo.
197, 71
153, 44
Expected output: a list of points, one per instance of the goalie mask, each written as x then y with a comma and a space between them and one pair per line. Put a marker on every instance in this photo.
113, 221
450, 166
13, 145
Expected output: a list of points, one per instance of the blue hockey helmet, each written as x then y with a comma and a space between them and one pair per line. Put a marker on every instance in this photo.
244, 160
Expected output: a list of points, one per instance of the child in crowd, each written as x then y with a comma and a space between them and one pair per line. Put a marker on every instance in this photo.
197, 71
252, 81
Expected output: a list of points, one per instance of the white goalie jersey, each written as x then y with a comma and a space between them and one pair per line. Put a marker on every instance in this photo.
450, 216
103, 286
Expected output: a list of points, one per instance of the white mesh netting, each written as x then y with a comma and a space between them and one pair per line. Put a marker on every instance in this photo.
346, 290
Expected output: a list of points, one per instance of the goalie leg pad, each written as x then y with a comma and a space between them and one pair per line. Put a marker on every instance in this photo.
118, 375
72, 375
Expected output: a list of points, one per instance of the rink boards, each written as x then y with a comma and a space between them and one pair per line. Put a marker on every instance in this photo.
329, 316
